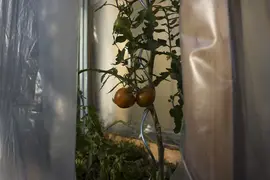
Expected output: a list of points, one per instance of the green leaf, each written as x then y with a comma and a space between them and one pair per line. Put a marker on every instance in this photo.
177, 42
149, 45
175, 67
114, 87
131, 46
174, 35
148, 30
155, 11
161, 78
102, 77
120, 56
174, 26
122, 22
175, 3
155, 24
160, 17
173, 21
128, 10
150, 16
122, 26
120, 39
162, 42
139, 19
169, 14
177, 113
164, 24
153, 44
160, 30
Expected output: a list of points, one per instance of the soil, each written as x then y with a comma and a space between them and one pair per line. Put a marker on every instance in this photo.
171, 155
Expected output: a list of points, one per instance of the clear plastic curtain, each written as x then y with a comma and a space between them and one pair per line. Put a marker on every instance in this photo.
225, 53
38, 58
207, 77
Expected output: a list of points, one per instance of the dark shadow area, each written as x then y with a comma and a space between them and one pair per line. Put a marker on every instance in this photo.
250, 38
238, 116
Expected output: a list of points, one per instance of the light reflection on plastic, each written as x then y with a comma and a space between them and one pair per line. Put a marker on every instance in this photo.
95, 34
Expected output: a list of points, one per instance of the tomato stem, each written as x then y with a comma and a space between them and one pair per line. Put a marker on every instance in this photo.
159, 141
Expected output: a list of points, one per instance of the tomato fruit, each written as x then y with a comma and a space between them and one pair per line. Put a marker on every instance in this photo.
146, 96
124, 98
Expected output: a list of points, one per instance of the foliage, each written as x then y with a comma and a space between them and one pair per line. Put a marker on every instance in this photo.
154, 20
98, 158
137, 30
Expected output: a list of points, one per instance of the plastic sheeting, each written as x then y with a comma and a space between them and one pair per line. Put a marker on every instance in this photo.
207, 76
250, 24
38, 59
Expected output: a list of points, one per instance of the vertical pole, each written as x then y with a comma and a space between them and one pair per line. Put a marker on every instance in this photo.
235, 23
83, 49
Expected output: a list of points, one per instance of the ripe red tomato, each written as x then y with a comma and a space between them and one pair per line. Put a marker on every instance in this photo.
124, 98
146, 96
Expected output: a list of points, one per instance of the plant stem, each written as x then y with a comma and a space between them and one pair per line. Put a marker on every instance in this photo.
151, 64
159, 142
169, 30
156, 122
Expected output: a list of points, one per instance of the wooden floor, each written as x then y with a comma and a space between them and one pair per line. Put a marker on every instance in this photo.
171, 154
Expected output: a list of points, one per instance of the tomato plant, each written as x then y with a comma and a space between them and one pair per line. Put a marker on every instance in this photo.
152, 19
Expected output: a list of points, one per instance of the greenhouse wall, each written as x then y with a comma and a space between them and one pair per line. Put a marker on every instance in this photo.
225, 57
207, 72
38, 60
250, 27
